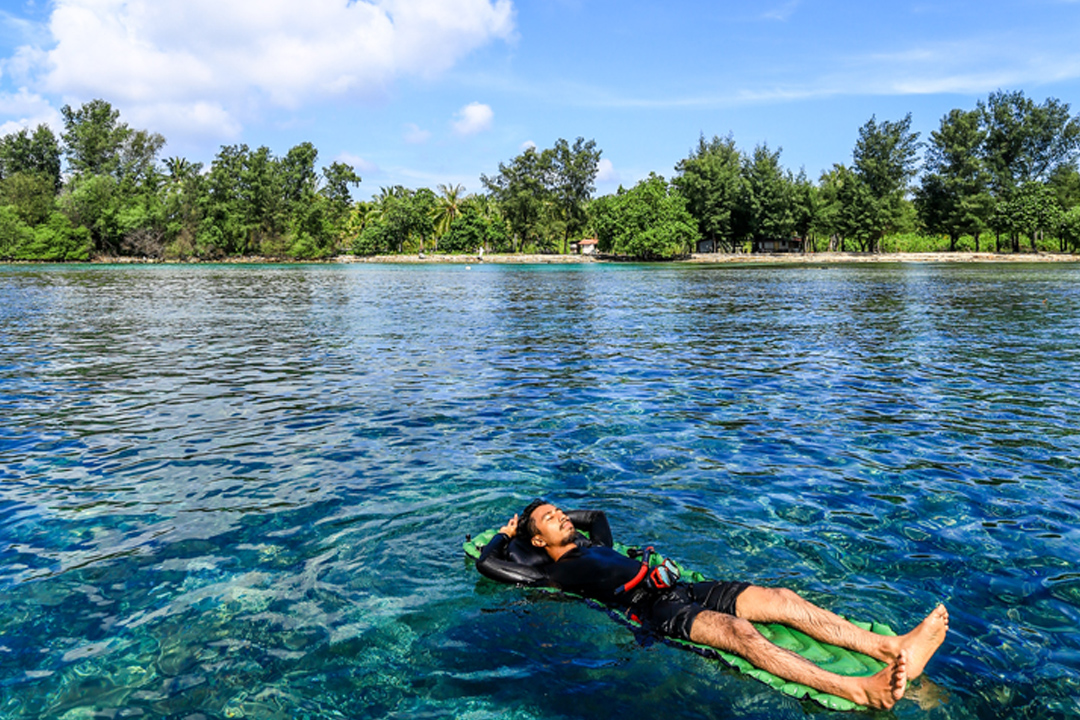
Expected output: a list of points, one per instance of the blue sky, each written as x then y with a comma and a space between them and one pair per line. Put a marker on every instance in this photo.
422, 92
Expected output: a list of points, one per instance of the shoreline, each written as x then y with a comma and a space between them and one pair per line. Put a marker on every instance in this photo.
727, 258
902, 257
834, 258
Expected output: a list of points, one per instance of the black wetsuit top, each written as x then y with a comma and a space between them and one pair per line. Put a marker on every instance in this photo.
593, 568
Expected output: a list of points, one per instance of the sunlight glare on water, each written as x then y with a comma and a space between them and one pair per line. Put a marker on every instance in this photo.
242, 491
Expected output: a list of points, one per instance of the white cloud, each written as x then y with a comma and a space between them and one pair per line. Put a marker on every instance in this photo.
473, 118
605, 171
528, 144
27, 110
217, 61
192, 119
963, 66
412, 177
415, 135
358, 163
782, 12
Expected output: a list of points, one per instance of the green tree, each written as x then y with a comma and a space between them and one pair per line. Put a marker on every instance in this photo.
299, 180
92, 202
93, 137
138, 155
373, 237
31, 194
848, 209
650, 221
114, 189
335, 189
56, 239
257, 203
1069, 230
404, 220
885, 159
184, 200
362, 214
497, 234
303, 215
466, 233
300, 228
954, 197
1033, 210
471, 230
29, 182
1026, 142
767, 199
447, 208
1065, 182
807, 208
230, 203
37, 154
827, 220
573, 178
424, 204
141, 215
267, 196
711, 181
15, 234
336, 181
521, 190
860, 216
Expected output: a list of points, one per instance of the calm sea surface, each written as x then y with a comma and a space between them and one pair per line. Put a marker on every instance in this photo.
242, 491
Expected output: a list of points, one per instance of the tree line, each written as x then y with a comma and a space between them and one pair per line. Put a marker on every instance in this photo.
1004, 172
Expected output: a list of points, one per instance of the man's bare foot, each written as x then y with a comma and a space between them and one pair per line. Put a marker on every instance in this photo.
883, 690
922, 642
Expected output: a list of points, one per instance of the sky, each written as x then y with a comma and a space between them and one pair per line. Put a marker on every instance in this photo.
427, 92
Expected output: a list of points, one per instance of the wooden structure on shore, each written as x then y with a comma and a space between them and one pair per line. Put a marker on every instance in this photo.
779, 245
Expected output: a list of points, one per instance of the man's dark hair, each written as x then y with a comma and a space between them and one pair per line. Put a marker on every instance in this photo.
526, 526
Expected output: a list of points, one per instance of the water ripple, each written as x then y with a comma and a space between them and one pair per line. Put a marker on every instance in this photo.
241, 491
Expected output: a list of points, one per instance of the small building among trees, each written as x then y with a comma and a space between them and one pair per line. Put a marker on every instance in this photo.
708, 245
586, 246
778, 245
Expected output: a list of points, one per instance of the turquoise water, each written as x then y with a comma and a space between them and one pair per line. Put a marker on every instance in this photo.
242, 491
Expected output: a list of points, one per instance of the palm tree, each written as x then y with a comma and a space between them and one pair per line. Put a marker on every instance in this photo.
179, 168
447, 209
362, 213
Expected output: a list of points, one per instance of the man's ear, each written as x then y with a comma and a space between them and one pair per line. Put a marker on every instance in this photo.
538, 541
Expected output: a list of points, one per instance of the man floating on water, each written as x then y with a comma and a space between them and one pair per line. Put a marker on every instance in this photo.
545, 548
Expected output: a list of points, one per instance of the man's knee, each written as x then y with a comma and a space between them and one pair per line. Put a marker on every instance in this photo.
725, 631
756, 600
766, 603
784, 596
743, 630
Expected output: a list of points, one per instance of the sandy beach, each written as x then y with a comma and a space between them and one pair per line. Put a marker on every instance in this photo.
723, 258
938, 257
699, 259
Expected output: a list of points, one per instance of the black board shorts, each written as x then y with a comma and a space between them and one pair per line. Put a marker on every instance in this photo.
672, 612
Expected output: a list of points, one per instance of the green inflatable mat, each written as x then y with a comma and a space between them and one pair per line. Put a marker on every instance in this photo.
830, 657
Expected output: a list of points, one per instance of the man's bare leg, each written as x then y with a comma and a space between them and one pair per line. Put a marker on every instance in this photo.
784, 606
736, 635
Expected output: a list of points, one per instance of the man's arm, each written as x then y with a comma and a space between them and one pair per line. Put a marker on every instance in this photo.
492, 562
595, 523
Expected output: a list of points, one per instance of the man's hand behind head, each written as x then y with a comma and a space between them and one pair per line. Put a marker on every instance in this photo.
510, 528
